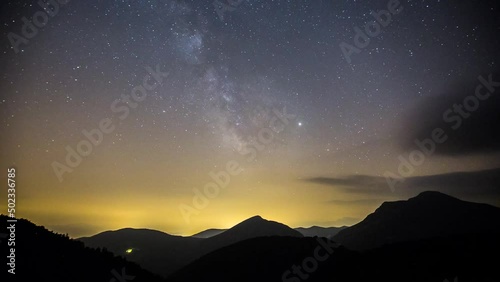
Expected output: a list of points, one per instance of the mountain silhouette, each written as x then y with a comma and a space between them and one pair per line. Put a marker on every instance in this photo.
42, 255
327, 232
257, 259
208, 233
430, 214
269, 258
312, 231
156, 251
431, 237
253, 227
162, 253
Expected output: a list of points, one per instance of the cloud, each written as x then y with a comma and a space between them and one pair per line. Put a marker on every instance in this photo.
473, 184
471, 123
355, 183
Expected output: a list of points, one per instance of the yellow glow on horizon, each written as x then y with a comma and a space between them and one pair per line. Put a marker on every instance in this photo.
292, 203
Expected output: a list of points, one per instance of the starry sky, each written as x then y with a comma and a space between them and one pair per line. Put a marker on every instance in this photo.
217, 79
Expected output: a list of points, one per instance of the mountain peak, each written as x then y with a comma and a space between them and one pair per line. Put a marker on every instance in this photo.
255, 218
257, 226
433, 195
426, 199
429, 214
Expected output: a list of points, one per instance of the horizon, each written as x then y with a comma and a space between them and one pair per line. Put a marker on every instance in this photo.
170, 233
230, 224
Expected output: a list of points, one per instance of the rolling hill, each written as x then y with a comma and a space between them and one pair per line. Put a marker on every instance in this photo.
42, 255
163, 253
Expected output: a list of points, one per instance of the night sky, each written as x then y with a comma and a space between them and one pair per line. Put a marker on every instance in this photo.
215, 85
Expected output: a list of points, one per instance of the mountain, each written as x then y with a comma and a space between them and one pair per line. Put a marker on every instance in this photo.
327, 232
257, 259
163, 254
295, 259
42, 255
208, 233
428, 215
251, 228
156, 251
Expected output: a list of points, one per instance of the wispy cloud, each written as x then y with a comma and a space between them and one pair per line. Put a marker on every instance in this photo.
483, 183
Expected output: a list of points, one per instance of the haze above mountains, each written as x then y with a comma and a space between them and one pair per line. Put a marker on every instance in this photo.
430, 237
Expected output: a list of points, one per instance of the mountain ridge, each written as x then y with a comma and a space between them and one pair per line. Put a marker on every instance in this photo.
162, 253
426, 215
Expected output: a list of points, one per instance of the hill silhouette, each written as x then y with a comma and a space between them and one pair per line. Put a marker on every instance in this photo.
269, 258
312, 231
208, 233
42, 255
253, 227
162, 253
430, 214
327, 232
156, 251
431, 237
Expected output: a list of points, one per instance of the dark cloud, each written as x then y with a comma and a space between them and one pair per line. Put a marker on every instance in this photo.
476, 184
355, 183
470, 123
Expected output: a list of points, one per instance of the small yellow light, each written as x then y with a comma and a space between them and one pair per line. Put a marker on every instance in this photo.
128, 251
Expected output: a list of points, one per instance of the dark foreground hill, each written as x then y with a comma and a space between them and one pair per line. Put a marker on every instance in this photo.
428, 215
156, 251
289, 259
41, 255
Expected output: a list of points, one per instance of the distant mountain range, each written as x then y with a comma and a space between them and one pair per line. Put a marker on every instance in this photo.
208, 233
431, 237
327, 232
162, 253
292, 259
